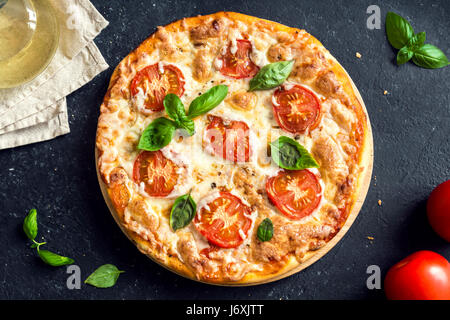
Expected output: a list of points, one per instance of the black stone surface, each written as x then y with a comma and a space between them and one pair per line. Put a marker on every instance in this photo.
411, 127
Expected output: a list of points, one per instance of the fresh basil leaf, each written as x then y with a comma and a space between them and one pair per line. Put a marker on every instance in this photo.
30, 226
174, 107
183, 211
54, 259
271, 75
289, 154
398, 30
207, 101
404, 55
157, 135
188, 125
286, 155
104, 276
265, 230
416, 41
429, 56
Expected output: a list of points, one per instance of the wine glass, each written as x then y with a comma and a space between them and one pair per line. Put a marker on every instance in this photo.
29, 37
17, 26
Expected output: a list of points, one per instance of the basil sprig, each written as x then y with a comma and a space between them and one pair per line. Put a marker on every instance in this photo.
104, 276
30, 227
183, 211
265, 230
407, 52
398, 30
271, 75
401, 36
157, 135
54, 259
175, 109
289, 154
429, 56
160, 131
207, 101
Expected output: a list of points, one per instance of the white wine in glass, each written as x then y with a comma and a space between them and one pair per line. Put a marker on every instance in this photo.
29, 38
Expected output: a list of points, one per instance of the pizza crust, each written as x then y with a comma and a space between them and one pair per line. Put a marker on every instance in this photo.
334, 83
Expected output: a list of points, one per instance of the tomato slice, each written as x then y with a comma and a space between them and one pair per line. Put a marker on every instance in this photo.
156, 85
158, 173
229, 139
238, 64
295, 193
296, 109
224, 221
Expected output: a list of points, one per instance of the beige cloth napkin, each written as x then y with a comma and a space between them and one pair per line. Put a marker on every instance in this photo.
37, 111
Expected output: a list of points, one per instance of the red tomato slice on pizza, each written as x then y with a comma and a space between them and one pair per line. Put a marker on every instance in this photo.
296, 193
236, 62
224, 221
158, 173
296, 109
155, 83
228, 139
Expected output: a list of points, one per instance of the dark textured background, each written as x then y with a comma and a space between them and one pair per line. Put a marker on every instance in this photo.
411, 127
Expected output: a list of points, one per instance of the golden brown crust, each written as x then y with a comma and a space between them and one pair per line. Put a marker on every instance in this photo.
289, 248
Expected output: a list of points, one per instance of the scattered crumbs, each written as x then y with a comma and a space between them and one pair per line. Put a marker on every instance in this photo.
370, 238
358, 55
385, 92
379, 202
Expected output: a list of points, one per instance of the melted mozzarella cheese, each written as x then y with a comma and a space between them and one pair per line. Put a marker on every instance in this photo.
202, 170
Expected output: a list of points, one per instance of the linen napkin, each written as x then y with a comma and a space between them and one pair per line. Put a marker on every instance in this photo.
37, 111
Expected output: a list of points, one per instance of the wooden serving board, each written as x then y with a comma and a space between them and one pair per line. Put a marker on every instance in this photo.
363, 187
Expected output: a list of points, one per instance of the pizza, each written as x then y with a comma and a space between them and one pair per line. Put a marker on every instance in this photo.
231, 149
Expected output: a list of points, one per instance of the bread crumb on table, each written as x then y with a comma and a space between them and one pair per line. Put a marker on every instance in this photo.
358, 55
379, 202
370, 238
385, 92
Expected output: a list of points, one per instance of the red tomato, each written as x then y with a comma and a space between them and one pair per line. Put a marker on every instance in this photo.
228, 139
224, 221
424, 275
158, 173
156, 85
238, 64
296, 193
296, 109
438, 210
